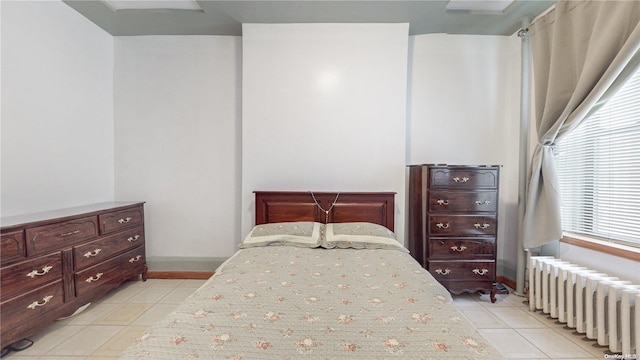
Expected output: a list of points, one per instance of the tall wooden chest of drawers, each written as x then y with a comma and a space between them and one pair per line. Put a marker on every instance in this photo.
453, 219
54, 262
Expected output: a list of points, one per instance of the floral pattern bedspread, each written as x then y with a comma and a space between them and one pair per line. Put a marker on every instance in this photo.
282, 302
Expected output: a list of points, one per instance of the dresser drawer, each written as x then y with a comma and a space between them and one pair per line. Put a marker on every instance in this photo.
110, 271
47, 238
119, 220
462, 225
30, 274
12, 246
470, 178
462, 201
31, 304
99, 250
462, 248
462, 270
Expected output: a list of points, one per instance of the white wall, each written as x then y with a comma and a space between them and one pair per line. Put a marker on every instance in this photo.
57, 108
324, 108
177, 140
612, 265
464, 109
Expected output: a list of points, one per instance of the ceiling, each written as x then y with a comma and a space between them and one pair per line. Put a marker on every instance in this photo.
227, 17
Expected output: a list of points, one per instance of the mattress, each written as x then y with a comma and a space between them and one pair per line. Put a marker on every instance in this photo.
290, 302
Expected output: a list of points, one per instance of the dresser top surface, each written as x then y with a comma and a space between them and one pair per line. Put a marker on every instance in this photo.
62, 214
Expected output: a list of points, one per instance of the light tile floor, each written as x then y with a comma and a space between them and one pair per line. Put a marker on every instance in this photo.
106, 327
521, 334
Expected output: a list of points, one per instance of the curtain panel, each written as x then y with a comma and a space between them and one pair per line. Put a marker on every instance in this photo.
582, 51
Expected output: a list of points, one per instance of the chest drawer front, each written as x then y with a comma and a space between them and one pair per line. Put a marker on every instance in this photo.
463, 178
32, 304
12, 246
462, 201
30, 274
47, 238
119, 220
462, 248
463, 270
462, 225
97, 251
109, 271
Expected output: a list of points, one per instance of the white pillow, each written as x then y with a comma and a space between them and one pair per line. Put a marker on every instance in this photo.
360, 235
298, 233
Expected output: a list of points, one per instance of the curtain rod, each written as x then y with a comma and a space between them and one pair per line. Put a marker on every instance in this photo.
544, 13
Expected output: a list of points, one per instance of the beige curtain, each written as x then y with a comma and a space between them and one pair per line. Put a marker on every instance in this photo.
582, 51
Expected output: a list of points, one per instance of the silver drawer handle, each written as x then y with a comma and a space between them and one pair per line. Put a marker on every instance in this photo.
486, 202
94, 278
70, 233
133, 238
442, 202
443, 272
481, 226
442, 226
44, 302
132, 260
480, 272
463, 179
459, 249
125, 220
35, 273
92, 253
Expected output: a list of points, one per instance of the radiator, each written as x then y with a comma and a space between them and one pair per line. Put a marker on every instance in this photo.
604, 308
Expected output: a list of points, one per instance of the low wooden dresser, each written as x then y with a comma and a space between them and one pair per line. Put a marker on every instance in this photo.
54, 262
453, 219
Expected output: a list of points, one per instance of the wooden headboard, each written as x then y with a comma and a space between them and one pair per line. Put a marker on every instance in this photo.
281, 206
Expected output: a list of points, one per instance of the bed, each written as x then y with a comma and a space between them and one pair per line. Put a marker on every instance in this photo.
320, 276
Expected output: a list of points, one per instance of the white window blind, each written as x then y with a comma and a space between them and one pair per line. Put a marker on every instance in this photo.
599, 170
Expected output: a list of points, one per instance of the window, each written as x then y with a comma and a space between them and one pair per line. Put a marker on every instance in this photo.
599, 171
